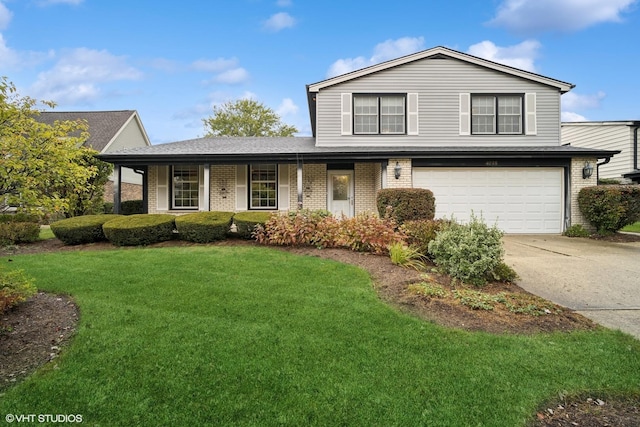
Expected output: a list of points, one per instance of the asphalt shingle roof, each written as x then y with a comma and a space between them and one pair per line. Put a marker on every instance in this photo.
238, 149
103, 125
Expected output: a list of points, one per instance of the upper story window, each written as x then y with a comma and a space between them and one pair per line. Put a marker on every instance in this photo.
185, 187
379, 114
496, 114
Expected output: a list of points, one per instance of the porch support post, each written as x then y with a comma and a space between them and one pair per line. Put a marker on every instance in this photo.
206, 187
384, 165
117, 177
299, 184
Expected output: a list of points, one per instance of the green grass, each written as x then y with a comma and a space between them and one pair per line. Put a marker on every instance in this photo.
253, 336
635, 227
46, 234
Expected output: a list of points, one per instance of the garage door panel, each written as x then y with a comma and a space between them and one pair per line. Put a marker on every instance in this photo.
518, 200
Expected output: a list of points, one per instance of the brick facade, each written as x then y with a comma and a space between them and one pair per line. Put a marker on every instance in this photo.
576, 184
366, 176
405, 180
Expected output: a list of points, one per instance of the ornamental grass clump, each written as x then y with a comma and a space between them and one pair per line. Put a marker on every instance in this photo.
468, 252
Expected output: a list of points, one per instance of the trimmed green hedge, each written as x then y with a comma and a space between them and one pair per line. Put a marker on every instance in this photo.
18, 232
610, 207
81, 229
246, 222
406, 204
131, 207
204, 227
142, 229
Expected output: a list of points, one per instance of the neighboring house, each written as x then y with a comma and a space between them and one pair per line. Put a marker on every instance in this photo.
608, 135
483, 136
110, 131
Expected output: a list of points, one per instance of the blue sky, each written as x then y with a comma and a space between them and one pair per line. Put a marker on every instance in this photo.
174, 60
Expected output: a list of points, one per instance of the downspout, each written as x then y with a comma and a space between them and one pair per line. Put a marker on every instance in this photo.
604, 162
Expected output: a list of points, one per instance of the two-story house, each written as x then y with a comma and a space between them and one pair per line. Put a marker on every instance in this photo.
484, 137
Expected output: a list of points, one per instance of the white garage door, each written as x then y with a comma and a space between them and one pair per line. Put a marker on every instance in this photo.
519, 200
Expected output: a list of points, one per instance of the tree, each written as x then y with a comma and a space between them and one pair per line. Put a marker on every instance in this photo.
245, 117
41, 166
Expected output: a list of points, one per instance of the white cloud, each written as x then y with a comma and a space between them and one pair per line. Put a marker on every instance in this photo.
574, 101
214, 65
389, 49
279, 21
568, 116
287, 107
77, 76
534, 16
16, 60
232, 77
5, 16
520, 56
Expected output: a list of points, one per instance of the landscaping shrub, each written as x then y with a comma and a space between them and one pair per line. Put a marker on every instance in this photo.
422, 231
364, 232
576, 230
204, 227
468, 252
611, 207
406, 203
502, 273
81, 229
18, 232
368, 233
107, 208
406, 256
15, 287
142, 229
131, 207
300, 227
246, 222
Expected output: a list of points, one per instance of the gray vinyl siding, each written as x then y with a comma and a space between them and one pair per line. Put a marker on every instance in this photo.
129, 137
438, 83
605, 137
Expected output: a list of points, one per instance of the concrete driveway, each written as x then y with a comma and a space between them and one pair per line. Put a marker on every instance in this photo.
600, 280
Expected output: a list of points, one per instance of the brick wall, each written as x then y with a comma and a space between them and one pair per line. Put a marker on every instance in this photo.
405, 180
577, 183
127, 191
314, 187
152, 179
366, 185
222, 188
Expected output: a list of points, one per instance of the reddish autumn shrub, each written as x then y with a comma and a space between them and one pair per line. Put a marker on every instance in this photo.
420, 232
365, 232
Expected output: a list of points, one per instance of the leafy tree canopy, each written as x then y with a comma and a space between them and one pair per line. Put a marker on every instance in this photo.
43, 168
245, 117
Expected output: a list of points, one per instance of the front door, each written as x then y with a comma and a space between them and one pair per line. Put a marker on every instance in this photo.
340, 193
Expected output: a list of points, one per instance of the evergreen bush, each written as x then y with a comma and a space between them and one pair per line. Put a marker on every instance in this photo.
139, 230
204, 227
81, 229
406, 204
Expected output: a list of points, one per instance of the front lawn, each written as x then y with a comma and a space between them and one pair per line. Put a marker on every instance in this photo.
225, 335
635, 227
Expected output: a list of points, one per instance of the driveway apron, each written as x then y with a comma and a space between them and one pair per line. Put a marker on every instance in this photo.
600, 280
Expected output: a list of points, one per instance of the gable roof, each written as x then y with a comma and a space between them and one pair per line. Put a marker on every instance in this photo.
439, 51
104, 126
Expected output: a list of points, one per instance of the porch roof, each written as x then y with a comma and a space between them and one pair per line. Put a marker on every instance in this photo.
234, 150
